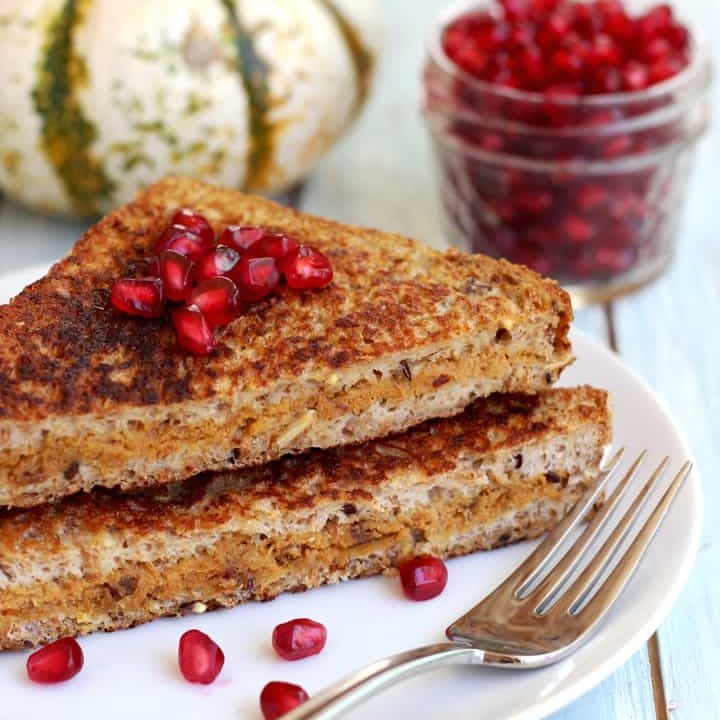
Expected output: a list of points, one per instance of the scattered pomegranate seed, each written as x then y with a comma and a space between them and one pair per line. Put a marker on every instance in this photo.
56, 662
255, 277
307, 268
279, 698
424, 577
176, 273
143, 297
218, 300
199, 657
183, 241
194, 332
194, 222
216, 263
299, 638
241, 237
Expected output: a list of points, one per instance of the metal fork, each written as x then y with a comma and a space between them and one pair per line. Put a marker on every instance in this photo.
544, 610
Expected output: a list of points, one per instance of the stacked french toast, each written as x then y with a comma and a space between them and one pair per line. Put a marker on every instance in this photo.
406, 407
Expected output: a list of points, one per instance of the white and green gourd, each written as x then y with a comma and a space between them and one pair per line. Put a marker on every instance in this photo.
101, 97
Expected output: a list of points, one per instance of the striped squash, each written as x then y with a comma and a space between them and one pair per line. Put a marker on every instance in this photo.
100, 97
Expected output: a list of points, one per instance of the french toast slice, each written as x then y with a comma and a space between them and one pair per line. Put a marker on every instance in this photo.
404, 333
505, 469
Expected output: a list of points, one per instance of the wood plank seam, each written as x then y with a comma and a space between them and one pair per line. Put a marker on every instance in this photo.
652, 646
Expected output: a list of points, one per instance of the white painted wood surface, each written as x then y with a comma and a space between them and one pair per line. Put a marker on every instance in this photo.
381, 175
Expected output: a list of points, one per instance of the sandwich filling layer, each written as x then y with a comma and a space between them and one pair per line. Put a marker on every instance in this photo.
507, 468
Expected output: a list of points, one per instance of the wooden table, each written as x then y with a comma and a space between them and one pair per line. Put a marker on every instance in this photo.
380, 175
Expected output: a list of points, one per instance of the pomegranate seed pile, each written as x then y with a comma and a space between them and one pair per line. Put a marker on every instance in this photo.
568, 47
213, 281
548, 187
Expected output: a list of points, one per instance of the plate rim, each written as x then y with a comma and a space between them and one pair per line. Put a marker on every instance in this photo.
597, 673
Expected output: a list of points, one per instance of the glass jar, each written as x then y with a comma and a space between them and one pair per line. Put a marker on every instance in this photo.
588, 190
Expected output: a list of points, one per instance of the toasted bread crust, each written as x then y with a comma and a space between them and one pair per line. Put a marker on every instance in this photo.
107, 560
66, 355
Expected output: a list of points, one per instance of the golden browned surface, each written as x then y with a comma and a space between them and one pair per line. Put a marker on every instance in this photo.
82, 388
502, 470
64, 351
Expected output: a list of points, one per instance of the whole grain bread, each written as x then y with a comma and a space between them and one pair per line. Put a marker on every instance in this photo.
404, 333
506, 469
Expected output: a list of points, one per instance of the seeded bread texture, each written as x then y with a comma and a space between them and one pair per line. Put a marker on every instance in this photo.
404, 333
507, 468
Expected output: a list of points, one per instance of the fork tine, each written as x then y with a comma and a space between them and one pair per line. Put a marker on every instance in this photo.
549, 586
536, 562
603, 600
590, 576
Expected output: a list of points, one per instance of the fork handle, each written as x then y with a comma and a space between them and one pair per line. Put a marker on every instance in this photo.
359, 686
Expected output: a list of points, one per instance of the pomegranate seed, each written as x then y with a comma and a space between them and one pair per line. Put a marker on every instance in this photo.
176, 273
614, 260
423, 577
619, 26
241, 237
635, 76
194, 222
534, 201
533, 258
617, 147
566, 64
183, 241
200, 659
531, 67
56, 662
194, 332
256, 277
307, 268
492, 142
143, 297
279, 698
591, 197
604, 51
666, 68
655, 21
300, 638
678, 37
553, 31
577, 230
273, 245
218, 262
217, 299
657, 49
607, 80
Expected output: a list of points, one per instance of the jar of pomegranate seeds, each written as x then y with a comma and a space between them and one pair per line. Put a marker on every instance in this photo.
564, 134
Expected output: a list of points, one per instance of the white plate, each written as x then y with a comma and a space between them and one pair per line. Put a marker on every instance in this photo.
133, 674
